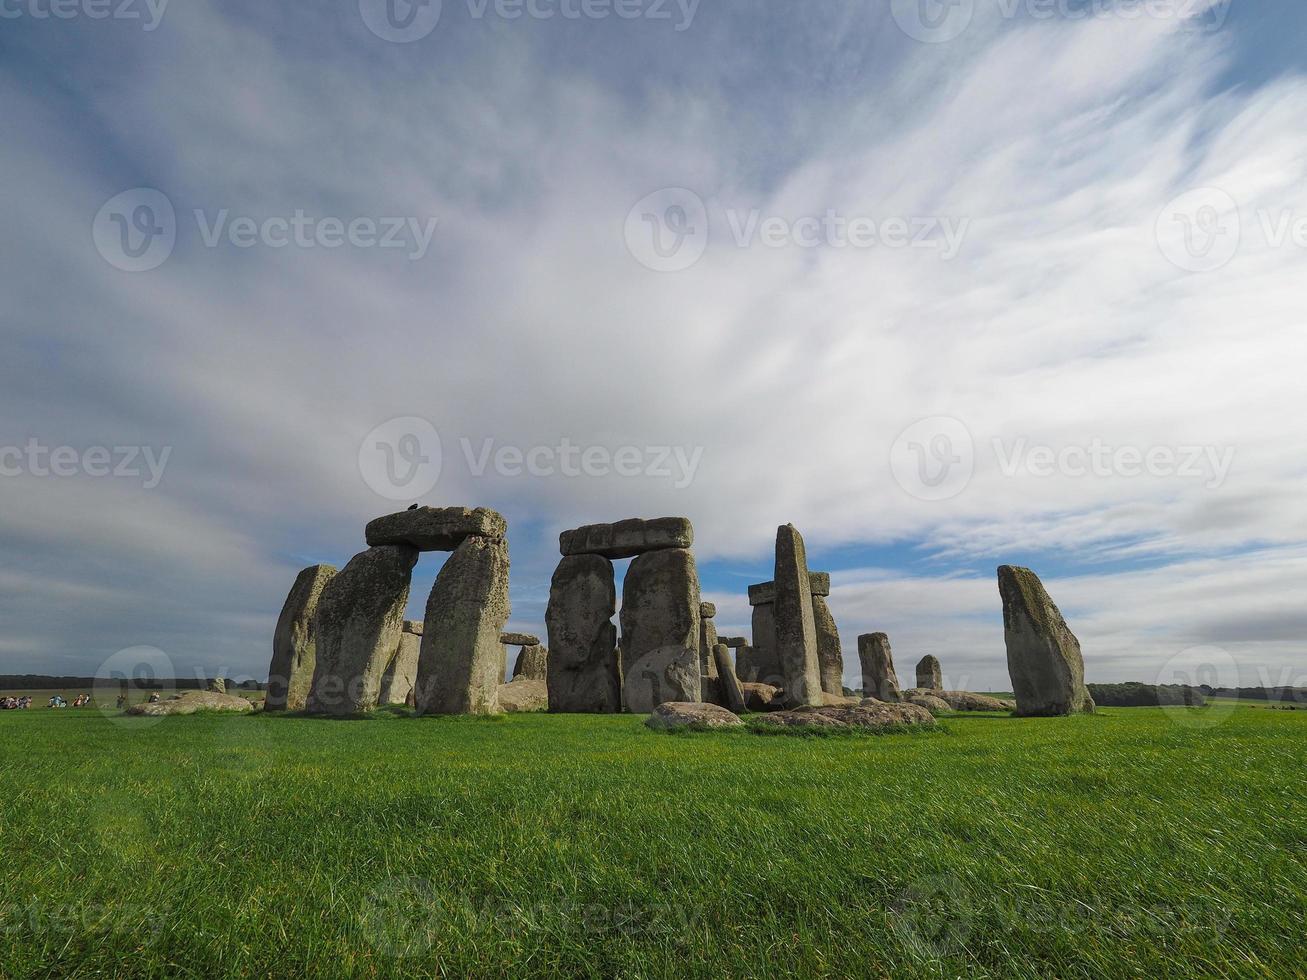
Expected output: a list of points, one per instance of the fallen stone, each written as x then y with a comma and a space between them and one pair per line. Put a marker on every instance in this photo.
461, 666
583, 669
359, 621
1043, 655
966, 701
673, 715
519, 640
929, 676
660, 631
294, 642
867, 715
762, 697
728, 685
796, 634
878, 677
628, 538
524, 694
829, 700
191, 702
401, 674
930, 702
830, 658
532, 663
436, 528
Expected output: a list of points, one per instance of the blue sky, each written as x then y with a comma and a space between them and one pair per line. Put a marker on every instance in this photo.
647, 232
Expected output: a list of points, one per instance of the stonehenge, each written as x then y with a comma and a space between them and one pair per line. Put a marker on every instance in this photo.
435, 528
401, 674
728, 684
878, 677
929, 675
660, 630
758, 662
532, 663
830, 658
1043, 655
582, 672
796, 633
628, 539
294, 652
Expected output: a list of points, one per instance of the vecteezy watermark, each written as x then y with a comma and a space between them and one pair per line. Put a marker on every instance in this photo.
402, 459
668, 230
34, 458
935, 459
1196, 667
137, 230
405, 21
34, 918
1204, 229
941, 21
148, 12
933, 917
126, 674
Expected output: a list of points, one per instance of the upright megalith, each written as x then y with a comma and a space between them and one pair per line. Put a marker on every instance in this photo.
582, 668
727, 683
830, 658
461, 664
878, 677
929, 675
707, 639
294, 642
401, 674
1043, 655
359, 620
760, 661
796, 633
532, 663
660, 630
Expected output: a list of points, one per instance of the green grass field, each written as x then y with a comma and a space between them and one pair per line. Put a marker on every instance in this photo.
1124, 844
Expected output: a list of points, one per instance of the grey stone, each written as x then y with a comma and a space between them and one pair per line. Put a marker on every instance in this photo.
764, 663
1043, 655
762, 697
867, 715
401, 674
628, 538
191, 702
820, 583
707, 640
359, 621
532, 663
929, 675
796, 634
583, 668
436, 528
765, 592
519, 640
524, 694
673, 715
294, 642
728, 685
967, 701
734, 642
879, 679
660, 630
930, 702
218, 685
707, 610
461, 666
830, 658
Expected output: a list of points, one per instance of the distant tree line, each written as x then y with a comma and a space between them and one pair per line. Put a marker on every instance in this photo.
48, 682
1296, 695
1136, 695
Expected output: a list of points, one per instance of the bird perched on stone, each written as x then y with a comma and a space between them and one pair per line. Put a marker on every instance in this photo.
413, 507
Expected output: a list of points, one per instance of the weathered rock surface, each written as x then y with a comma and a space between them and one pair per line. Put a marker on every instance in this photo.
867, 715
930, 702
829, 700
879, 679
728, 685
764, 665
191, 702
830, 658
532, 663
294, 642
762, 697
218, 685
401, 674
628, 538
733, 642
796, 633
461, 665
360, 617
1043, 655
672, 715
660, 631
436, 528
763, 593
519, 640
524, 694
582, 668
966, 701
707, 610
929, 675
707, 640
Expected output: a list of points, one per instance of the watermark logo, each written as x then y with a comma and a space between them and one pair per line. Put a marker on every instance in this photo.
401, 21
1200, 231
129, 675
401, 459
933, 21
1195, 667
397, 917
136, 231
933, 459
667, 231
1211, 464
148, 12
36, 459
933, 917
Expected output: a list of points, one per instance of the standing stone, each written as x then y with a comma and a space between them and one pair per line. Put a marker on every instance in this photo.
401, 673
461, 666
762, 657
294, 642
532, 663
878, 677
707, 639
796, 633
929, 675
360, 617
830, 658
660, 630
728, 684
582, 668
218, 685
1043, 655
